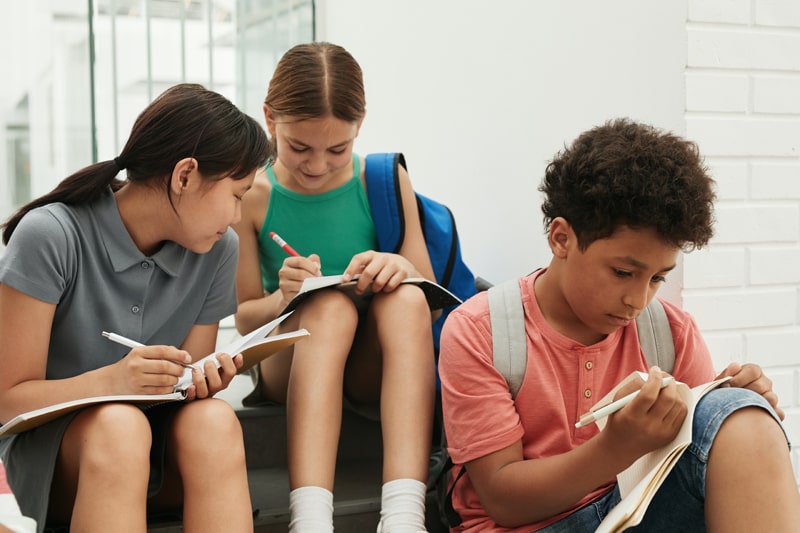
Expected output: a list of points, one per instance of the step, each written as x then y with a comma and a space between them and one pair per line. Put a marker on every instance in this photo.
357, 485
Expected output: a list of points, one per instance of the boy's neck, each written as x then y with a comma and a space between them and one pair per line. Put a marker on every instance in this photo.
557, 311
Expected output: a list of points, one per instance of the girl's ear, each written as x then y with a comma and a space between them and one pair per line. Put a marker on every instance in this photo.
561, 238
269, 117
185, 176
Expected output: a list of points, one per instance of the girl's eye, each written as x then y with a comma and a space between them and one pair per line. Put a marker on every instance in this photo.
296, 149
338, 151
621, 273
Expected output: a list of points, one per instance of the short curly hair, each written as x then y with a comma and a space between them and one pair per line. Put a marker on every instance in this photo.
624, 173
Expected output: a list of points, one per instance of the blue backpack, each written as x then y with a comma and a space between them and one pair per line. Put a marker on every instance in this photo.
438, 227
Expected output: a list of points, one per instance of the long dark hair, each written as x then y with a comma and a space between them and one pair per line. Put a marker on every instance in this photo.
186, 120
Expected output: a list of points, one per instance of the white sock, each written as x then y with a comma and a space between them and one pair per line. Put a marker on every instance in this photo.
311, 510
402, 506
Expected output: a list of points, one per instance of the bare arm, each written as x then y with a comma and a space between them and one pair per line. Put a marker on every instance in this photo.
515, 491
25, 326
255, 307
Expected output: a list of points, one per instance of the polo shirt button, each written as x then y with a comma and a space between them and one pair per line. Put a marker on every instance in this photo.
587, 393
589, 365
145, 265
135, 309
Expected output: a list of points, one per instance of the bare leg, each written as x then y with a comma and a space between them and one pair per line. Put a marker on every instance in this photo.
408, 383
207, 448
102, 471
314, 399
750, 484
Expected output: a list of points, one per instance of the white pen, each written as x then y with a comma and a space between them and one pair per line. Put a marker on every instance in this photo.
119, 339
613, 407
125, 341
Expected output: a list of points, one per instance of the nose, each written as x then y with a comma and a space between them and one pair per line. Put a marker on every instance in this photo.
316, 164
637, 298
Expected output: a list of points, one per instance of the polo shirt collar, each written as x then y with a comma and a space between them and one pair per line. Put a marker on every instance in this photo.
122, 251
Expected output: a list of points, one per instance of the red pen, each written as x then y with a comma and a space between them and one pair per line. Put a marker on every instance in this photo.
283, 244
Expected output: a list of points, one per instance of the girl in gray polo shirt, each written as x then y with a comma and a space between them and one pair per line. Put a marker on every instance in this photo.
152, 258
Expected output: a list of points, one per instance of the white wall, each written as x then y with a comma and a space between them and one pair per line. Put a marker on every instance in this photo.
479, 95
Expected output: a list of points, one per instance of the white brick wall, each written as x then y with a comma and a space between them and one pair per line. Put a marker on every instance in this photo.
743, 109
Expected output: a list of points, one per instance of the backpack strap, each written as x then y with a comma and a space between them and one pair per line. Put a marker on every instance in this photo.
386, 204
655, 336
509, 350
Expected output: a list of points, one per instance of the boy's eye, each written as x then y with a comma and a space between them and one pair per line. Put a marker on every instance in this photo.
658, 279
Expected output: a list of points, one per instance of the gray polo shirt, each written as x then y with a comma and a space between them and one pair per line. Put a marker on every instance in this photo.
82, 259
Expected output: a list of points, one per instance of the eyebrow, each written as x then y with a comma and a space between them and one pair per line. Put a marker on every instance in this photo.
638, 264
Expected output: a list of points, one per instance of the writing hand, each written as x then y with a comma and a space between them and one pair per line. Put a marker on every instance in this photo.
150, 370
294, 270
651, 420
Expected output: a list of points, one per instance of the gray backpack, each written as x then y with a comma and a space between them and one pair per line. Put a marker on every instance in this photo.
510, 355
509, 338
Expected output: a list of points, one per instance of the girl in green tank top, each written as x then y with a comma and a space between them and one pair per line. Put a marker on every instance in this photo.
379, 360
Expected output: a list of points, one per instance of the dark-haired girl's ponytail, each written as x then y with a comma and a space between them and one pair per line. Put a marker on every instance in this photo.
84, 186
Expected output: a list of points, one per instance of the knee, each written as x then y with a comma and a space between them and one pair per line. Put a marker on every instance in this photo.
110, 437
202, 419
327, 304
408, 299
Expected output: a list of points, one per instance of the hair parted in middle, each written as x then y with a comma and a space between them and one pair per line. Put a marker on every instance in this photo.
315, 80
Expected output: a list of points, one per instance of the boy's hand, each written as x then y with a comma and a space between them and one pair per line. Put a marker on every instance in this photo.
650, 421
294, 270
750, 376
379, 271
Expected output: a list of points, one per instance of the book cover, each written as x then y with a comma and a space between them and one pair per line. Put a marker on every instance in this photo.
437, 296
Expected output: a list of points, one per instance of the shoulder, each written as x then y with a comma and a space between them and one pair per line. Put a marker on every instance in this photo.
255, 201
49, 222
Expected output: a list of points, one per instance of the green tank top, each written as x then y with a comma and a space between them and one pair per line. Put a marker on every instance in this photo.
335, 225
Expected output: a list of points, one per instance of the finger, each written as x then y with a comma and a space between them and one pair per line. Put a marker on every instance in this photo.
200, 384
227, 367
212, 374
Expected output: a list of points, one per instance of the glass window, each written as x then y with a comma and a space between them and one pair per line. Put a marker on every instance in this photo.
58, 114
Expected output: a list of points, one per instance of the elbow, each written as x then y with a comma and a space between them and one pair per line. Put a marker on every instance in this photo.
241, 324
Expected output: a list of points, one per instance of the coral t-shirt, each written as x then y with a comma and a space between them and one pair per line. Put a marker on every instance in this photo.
563, 379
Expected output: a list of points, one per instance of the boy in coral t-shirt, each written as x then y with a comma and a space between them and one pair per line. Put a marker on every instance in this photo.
620, 204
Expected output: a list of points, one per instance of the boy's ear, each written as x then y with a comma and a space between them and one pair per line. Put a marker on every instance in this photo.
561, 237
269, 117
184, 175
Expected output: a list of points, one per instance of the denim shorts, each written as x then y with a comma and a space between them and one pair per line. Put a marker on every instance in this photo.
679, 504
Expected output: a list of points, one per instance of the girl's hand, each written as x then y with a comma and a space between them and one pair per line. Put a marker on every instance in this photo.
150, 370
294, 270
750, 376
215, 379
379, 271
